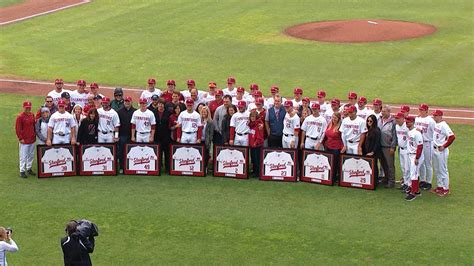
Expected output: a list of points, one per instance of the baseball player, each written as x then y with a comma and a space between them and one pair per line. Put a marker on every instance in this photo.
252, 100
353, 130
405, 109
230, 90
94, 90
323, 105
291, 127
192, 86
150, 91
79, 96
239, 126
58, 90
167, 95
363, 111
240, 96
334, 107
425, 124
274, 91
109, 123
189, 128
352, 98
377, 103
313, 129
254, 89
443, 137
211, 94
402, 140
297, 101
415, 156
25, 131
61, 127
143, 123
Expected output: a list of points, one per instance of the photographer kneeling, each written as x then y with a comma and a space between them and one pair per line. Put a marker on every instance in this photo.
76, 246
6, 244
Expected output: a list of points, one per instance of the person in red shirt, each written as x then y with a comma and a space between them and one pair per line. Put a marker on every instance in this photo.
167, 95
333, 141
256, 138
25, 131
217, 102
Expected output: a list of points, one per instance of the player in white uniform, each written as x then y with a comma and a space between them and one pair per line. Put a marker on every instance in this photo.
377, 103
57, 160
356, 171
402, 139
415, 156
79, 96
352, 99
278, 164
230, 90
192, 86
313, 129
230, 161
98, 159
405, 109
61, 127
297, 101
317, 166
109, 123
211, 94
291, 127
239, 126
270, 101
187, 160
425, 124
142, 158
241, 96
150, 91
364, 111
189, 128
323, 105
353, 130
143, 123
443, 136
58, 90
334, 107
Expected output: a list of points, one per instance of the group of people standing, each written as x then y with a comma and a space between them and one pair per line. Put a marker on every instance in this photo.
234, 116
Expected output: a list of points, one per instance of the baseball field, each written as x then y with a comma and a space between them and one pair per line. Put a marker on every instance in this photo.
148, 220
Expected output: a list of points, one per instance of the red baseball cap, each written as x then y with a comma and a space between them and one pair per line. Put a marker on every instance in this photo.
241, 104
151, 81
212, 84
259, 101
106, 100
128, 99
423, 107
274, 89
399, 115
189, 101
94, 85
230, 80
298, 90
315, 106
377, 101
142, 100
171, 82
81, 82
27, 104
362, 99
405, 108
191, 82
258, 94
253, 86
410, 119
351, 109
240, 90
352, 95
335, 101
437, 112
219, 93
321, 94
288, 103
61, 102
306, 99
58, 81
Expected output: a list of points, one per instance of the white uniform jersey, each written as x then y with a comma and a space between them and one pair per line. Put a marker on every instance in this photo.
414, 139
61, 123
327, 115
290, 124
314, 127
317, 166
364, 113
324, 107
201, 95
402, 135
356, 171
230, 162
232, 93
56, 95
241, 122
142, 158
148, 94
297, 104
108, 120
426, 125
236, 101
207, 97
97, 159
278, 164
187, 160
352, 129
441, 133
190, 122
143, 120
79, 98
378, 116
251, 106
269, 102
57, 160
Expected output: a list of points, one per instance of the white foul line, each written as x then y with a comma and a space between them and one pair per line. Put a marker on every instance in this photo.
43, 13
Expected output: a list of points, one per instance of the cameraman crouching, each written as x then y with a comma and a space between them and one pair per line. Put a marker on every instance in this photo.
6, 244
76, 248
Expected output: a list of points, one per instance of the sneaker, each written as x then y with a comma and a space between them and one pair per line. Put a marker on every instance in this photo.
437, 190
427, 186
422, 184
30, 172
418, 194
403, 187
23, 175
443, 193
407, 190
410, 197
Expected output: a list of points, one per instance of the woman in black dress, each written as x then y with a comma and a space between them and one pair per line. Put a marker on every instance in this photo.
371, 147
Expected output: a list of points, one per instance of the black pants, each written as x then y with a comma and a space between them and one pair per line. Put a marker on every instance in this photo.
274, 141
337, 167
121, 145
217, 138
165, 154
255, 157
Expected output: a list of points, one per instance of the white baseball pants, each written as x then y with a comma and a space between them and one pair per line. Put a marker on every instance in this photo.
105, 138
440, 164
352, 148
27, 154
57, 139
415, 169
310, 144
189, 138
404, 165
426, 170
241, 140
286, 140
143, 137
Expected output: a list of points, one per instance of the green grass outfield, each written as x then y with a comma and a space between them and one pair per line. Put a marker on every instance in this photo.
125, 42
146, 220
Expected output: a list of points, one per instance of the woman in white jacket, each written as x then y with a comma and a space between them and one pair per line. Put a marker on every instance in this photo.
6, 244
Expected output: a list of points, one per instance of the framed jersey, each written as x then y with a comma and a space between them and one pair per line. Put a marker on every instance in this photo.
187, 159
357, 171
142, 159
231, 161
317, 167
98, 159
56, 160
278, 164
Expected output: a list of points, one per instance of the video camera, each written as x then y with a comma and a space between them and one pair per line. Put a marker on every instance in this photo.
86, 228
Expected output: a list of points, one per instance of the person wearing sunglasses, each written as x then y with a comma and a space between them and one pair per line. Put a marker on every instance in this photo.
48, 102
371, 146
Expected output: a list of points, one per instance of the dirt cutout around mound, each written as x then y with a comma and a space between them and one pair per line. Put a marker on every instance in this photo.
360, 31
33, 8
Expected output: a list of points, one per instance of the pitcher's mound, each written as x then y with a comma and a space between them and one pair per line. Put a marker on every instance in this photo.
357, 31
